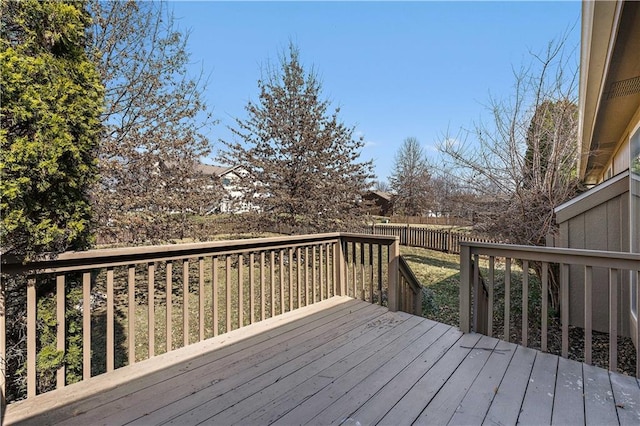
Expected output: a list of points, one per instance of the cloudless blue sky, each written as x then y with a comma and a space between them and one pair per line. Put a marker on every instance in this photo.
396, 69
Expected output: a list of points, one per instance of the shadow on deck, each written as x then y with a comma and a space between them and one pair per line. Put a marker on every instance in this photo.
344, 361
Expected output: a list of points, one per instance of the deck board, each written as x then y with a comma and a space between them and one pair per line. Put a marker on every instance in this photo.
344, 360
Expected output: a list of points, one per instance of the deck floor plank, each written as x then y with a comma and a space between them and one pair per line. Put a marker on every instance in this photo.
477, 401
599, 406
443, 406
627, 399
407, 410
506, 404
537, 405
569, 393
344, 360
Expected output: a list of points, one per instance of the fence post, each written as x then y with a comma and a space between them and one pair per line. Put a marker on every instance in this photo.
465, 288
393, 271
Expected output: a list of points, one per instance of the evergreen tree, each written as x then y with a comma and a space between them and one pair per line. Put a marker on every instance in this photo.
302, 162
51, 104
411, 180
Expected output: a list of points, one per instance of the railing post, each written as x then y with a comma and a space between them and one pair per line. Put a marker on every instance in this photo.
465, 288
393, 271
3, 349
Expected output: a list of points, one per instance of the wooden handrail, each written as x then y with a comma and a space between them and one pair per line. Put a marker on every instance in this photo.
414, 304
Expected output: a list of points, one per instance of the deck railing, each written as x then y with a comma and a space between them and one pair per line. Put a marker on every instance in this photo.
477, 292
115, 307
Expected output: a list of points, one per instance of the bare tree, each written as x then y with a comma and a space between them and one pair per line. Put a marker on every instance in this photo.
521, 163
410, 180
153, 117
301, 161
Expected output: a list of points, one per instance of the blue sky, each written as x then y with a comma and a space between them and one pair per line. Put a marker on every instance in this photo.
396, 69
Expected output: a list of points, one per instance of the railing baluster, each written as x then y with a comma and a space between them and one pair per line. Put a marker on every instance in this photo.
86, 325
110, 325
290, 279
492, 261
31, 337
272, 282
227, 277
61, 327
262, 280
3, 346
637, 276
185, 302
132, 313
354, 272
380, 274
306, 276
313, 275
299, 276
525, 303
201, 298
477, 312
169, 305
252, 293
321, 266
613, 319
151, 329
507, 298
588, 288
545, 306
362, 283
564, 294
215, 296
240, 291
370, 268
281, 266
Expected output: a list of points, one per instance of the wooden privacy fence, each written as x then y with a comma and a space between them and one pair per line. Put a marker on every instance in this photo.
478, 293
115, 307
433, 239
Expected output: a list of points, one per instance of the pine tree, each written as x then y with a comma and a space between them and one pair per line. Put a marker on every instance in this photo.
411, 180
302, 162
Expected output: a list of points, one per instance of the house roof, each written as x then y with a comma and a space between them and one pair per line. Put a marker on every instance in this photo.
382, 194
609, 81
209, 169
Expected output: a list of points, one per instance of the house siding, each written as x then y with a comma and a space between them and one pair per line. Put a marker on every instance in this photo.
598, 226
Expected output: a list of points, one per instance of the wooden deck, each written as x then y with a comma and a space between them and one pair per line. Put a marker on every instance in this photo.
344, 361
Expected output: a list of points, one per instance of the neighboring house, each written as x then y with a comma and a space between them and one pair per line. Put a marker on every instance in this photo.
230, 177
378, 203
607, 216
